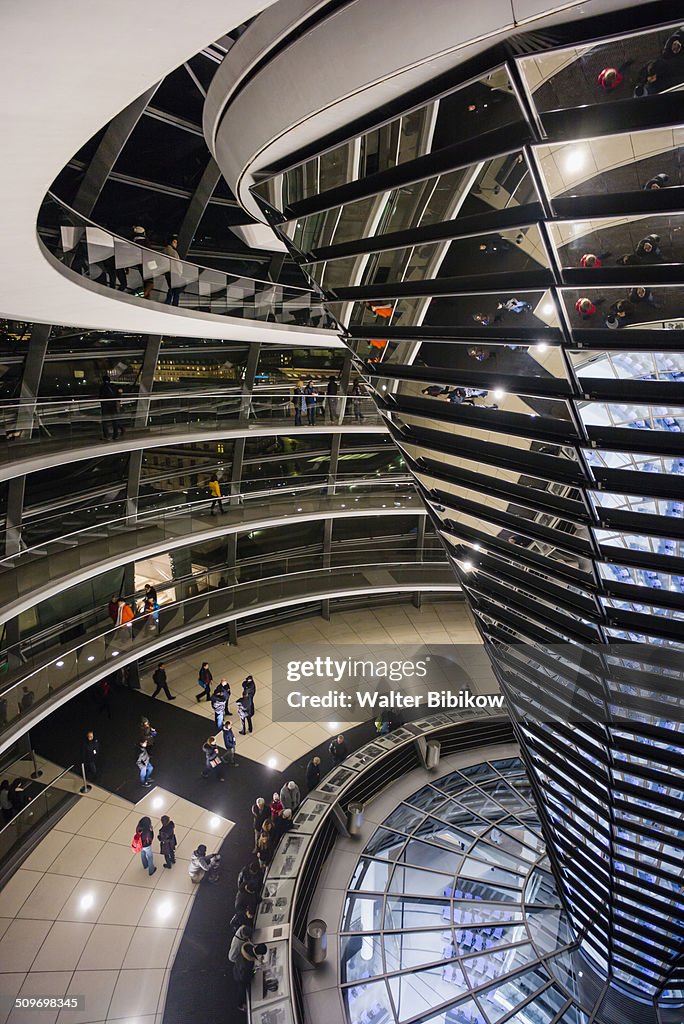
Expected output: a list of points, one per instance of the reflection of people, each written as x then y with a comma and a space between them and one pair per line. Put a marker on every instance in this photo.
215, 492
641, 294
609, 79
173, 294
656, 182
585, 307
673, 44
110, 407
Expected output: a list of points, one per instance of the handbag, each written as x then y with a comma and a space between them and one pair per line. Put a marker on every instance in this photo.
215, 762
137, 843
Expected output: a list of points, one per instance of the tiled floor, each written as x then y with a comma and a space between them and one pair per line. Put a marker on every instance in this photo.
82, 917
278, 744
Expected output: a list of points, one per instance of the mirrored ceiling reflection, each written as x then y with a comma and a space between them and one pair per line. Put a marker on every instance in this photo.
527, 309
640, 307
619, 241
477, 107
630, 162
513, 251
642, 64
497, 184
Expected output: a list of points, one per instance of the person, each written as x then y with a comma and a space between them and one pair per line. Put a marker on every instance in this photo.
167, 841
514, 305
276, 806
110, 408
89, 751
27, 699
246, 898
245, 709
356, 396
260, 814
264, 846
146, 265
313, 773
590, 260
5, 802
656, 182
226, 686
299, 403
434, 390
247, 963
249, 689
672, 48
648, 248
331, 401
652, 78
204, 680
479, 354
215, 492
620, 311
251, 873
219, 700
104, 693
212, 759
242, 935
381, 310
229, 742
290, 797
310, 398
609, 79
124, 618
143, 839
641, 294
281, 825
150, 604
145, 766
496, 248
160, 683
113, 608
585, 307
17, 796
483, 319
338, 750
173, 273
202, 866
147, 732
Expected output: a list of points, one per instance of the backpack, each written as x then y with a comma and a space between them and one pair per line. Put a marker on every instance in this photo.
332, 748
137, 843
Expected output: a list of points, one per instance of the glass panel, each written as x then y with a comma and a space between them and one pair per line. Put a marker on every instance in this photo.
414, 993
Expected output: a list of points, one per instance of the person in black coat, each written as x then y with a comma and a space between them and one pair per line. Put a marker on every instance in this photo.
338, 750
167, 840
313, 773
219, 702
204, 681
213, 761
249, 690
89, 752
246, 898
260, 813
159, 680
251, 873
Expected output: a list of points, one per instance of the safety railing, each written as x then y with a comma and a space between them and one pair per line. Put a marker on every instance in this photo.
33, 676
40, 806
135, 267
173, 514
24, 426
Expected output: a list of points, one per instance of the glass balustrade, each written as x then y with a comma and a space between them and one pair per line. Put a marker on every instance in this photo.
33, 676
28, 426
171, 514
118, 264
43, 801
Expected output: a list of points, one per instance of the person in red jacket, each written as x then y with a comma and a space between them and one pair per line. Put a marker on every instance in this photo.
585, 307
609, 79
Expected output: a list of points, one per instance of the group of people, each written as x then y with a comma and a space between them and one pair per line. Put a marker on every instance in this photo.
220, 698
308, 402
202, 865
122, 613
513, 305
662, 72
620, 312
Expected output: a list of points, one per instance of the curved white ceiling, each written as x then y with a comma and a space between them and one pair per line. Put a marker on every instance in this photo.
66, 69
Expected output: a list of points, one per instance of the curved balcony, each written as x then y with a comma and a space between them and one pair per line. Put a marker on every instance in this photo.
49, 569
40, 434
95, 258
56, 673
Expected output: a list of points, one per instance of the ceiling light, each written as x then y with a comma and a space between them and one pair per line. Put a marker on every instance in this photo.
158, 802
214, 822
541, 346
548, 309
165, 908
87, 901
59, 664
114, 654
575, 161
499, 394
272, 763
476, 547
467, 565
91, 657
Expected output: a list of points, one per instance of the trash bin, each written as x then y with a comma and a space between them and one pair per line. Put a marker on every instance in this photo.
317, 941
354, 819
432, 754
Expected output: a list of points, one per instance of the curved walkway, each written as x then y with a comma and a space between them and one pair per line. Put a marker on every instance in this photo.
55, 675
21, 457
47, 52
137, 538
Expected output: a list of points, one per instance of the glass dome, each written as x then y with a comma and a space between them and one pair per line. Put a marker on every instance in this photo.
452, 915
